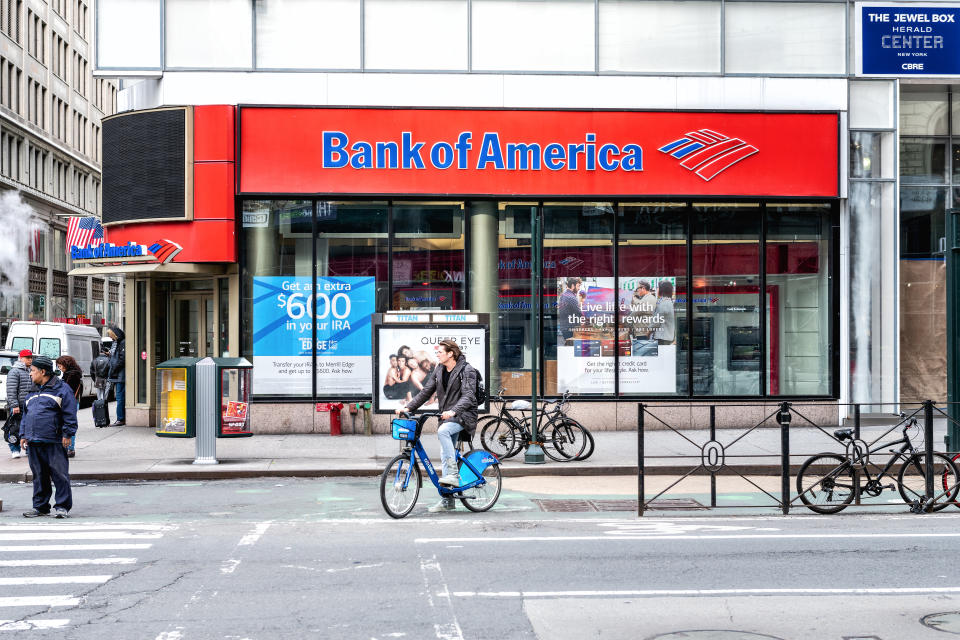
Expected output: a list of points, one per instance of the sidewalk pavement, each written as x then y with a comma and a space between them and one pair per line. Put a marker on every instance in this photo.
136, 453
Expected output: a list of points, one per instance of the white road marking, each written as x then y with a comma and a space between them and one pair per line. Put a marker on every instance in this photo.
171, 635
85, 527
79, 535
704, 592
39, 601
72, 547
255, 535
759, 536
65, 562
433, 578
4, 582
355, 567
26, 625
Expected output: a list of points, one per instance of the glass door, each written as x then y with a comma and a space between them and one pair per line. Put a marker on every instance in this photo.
192, 325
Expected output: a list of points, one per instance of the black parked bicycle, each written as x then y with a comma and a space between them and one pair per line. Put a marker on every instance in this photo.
828, 482
561, 437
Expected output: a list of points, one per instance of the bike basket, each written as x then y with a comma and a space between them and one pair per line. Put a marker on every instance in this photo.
404, 429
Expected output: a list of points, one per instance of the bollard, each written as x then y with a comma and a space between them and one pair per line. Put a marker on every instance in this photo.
640, 465
354, 408
928, 451
208, 412
783, 419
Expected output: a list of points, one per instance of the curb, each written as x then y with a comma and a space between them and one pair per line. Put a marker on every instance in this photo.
511, 471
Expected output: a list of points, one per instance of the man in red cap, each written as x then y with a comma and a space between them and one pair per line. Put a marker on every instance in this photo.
19, 384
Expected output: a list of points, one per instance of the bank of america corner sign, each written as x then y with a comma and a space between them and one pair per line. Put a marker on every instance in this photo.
87, 242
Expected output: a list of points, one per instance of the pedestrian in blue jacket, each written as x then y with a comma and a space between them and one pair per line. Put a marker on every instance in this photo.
49, 421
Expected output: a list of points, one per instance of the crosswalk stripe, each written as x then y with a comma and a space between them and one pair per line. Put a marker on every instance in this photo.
7, 582
71, 547
26, 625
39, 601
65, 562
47, 526
79, 535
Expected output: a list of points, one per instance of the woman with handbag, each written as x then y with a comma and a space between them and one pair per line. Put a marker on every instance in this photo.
72, 374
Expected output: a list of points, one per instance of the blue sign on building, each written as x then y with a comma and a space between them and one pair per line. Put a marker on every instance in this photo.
909, 40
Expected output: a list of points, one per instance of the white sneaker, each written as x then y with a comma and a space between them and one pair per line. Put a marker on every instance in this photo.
451, 477
15, 454
445, 504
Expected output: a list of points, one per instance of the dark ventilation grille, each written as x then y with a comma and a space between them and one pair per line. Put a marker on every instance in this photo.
144, 156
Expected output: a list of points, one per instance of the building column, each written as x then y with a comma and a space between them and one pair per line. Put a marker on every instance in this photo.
484, 279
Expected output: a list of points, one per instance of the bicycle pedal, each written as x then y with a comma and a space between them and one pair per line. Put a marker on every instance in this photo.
890, 486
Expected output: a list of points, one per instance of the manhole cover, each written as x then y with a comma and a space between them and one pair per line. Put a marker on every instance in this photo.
566, 506
948, 622
675, 503
714, 634
615, 505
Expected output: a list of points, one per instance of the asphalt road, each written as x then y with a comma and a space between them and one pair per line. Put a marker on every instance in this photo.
288, 558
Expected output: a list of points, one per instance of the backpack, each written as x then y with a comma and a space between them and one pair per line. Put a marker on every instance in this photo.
480, 391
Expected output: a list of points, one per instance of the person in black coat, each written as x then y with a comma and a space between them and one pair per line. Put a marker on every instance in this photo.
100, 373
72, 374
116, 376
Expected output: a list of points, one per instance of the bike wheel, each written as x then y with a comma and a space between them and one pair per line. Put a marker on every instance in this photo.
912, 481
499, 438
945, 479
484, 496
825, 483
564, 440
398, 500
588, 447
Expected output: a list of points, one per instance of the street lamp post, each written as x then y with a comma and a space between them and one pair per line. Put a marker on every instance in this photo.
534, 453
952, 255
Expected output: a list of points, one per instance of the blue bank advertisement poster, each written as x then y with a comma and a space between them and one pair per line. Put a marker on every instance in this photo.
909, 39
284, 311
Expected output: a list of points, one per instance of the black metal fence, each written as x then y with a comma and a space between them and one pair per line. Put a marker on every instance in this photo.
786, 458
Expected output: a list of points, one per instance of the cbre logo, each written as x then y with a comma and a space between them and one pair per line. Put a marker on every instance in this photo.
708, 153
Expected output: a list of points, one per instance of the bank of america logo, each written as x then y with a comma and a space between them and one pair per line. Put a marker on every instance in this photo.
708, 153
164, 250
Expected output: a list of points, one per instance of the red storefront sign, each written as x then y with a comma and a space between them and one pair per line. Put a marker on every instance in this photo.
536, 153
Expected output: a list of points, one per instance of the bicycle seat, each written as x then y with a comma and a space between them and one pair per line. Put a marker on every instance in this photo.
843, 434
520, 405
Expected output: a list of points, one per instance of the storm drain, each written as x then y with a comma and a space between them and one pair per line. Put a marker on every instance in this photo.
583, 506
675, 504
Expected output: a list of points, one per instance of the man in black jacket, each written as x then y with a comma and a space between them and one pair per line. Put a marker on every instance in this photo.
117, 376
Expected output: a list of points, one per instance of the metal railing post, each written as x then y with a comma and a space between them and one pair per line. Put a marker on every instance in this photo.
928, 451
783, 419
713, 438
856, 436
640, 465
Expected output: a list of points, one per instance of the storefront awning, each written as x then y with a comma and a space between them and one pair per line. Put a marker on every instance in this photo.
172, 268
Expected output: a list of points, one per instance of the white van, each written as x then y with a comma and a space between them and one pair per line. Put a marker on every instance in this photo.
55, 339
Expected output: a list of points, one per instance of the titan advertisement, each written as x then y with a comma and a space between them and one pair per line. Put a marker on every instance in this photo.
587, 309
406, 357
284, 312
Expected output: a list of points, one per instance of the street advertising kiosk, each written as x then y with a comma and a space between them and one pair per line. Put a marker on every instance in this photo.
404, 346
204, 399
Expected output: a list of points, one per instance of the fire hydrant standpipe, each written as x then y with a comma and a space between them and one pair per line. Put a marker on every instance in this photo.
335, 422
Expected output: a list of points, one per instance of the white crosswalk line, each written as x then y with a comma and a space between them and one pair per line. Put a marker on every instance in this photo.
48, 525
65, 562
38, 601
71, 547
27, 625
7, 582
79, 535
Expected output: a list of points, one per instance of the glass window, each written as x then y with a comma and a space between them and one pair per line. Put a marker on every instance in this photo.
417, 34
79, 307
223, 293
352, 259
660, 36
652, 292
923, 160
798, 294
514, 347
785, 37
128, 34
36, 306
58, 307
725, 299
871, 104
921, 220
210, 34
287, 34
49, 347
580, 321
533, 35
276, 284
21, 343
923, 112
427, 258
865, 155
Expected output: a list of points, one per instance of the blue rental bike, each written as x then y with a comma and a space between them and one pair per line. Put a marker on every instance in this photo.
401, 481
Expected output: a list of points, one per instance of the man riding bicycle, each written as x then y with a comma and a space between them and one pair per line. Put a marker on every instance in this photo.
455, 383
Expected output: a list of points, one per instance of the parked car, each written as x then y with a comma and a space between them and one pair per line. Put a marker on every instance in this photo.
55, 339
7, 360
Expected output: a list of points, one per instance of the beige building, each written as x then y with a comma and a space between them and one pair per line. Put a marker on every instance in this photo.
51, 109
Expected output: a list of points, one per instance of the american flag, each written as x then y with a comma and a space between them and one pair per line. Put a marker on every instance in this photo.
84, 232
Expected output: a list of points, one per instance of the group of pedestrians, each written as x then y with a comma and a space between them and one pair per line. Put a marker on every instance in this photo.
43, 406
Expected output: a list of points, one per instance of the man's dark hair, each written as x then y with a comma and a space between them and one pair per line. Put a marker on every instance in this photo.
451, 347
665, 289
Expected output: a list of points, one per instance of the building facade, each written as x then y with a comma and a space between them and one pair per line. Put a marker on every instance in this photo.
51, 108
728, 159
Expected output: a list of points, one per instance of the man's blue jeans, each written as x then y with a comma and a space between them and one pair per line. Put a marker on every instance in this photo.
447, 434
118, 391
